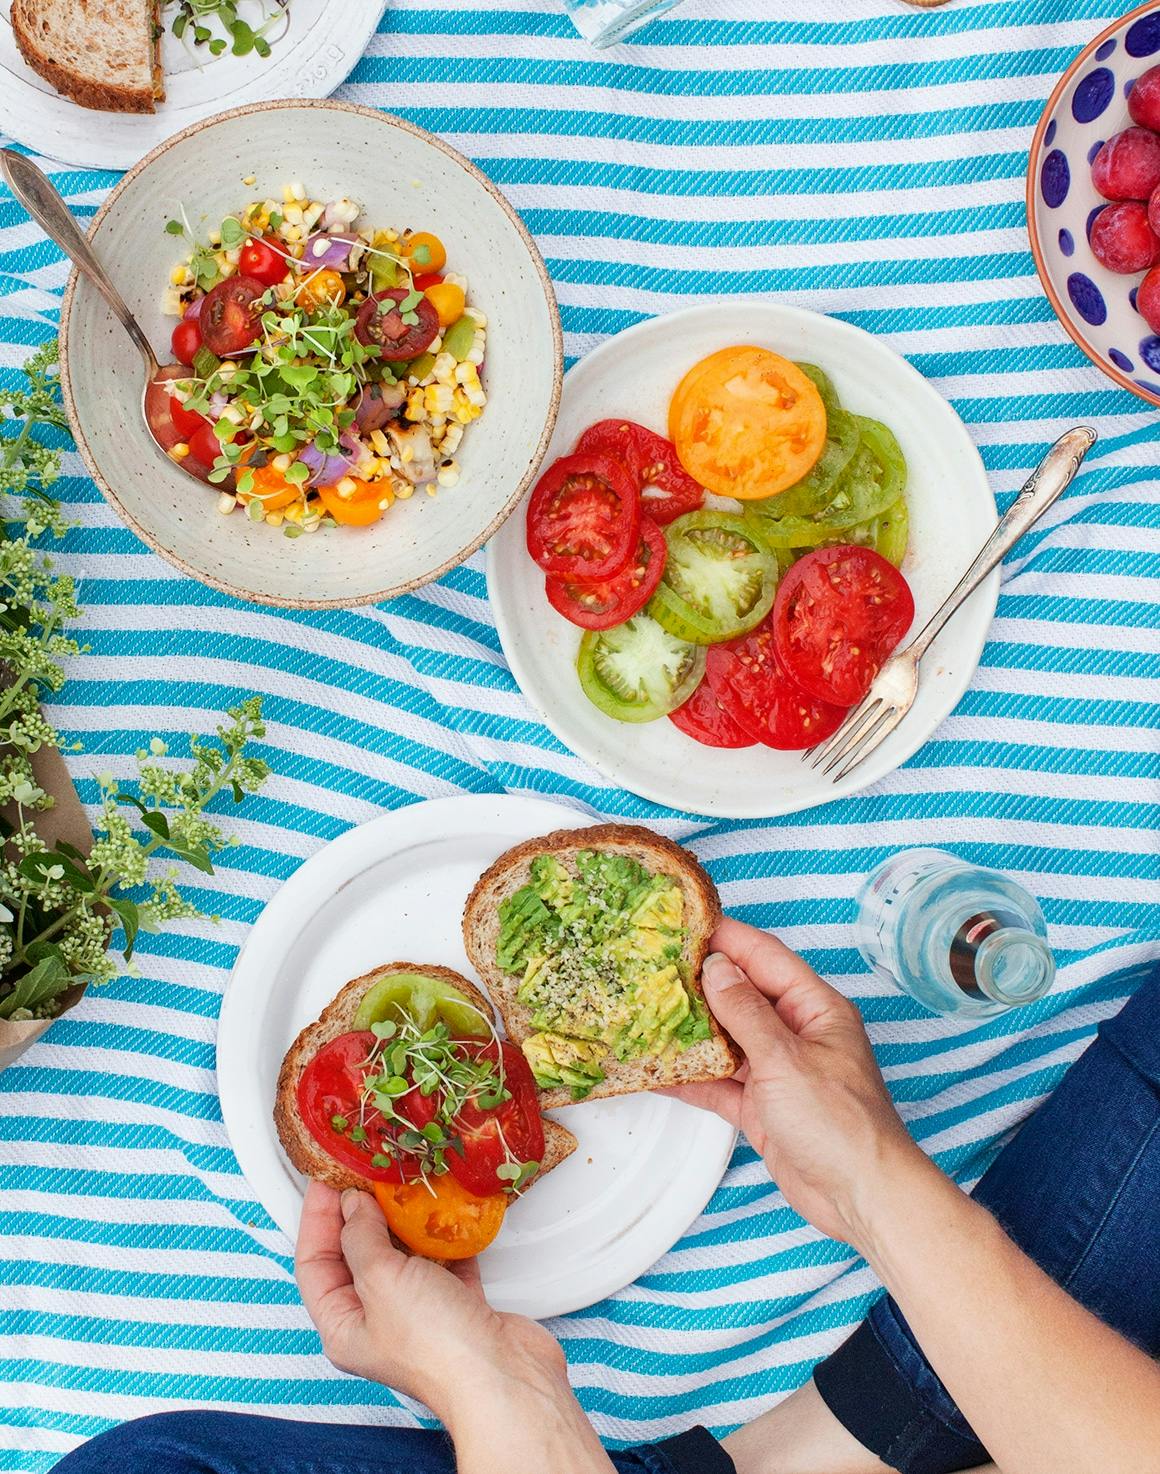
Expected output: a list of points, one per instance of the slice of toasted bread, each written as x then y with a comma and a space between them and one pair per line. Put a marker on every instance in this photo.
715, 1058
98, 53
338, 1018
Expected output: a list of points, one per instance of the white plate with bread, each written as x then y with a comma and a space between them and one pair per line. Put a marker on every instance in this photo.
643, 1166
100, 85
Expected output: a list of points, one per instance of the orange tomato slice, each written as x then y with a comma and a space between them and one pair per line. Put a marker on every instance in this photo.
443, 1222
747, 423
319, 287
358, 510
272, 489
431, 252
448, 301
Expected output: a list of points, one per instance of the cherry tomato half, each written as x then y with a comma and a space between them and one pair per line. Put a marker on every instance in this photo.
204, 446
598, 605
159, 404
263, 261
186, 339
426, 280
839, 613
763, 699
186, 421
584, 518
513, 1130
442, 1220
706, 719
229, 320
380, 321
667, 490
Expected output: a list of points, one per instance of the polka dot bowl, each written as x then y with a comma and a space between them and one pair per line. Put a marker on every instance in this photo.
1089, 105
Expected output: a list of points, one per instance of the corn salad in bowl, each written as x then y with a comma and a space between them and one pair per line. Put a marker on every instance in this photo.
325, 367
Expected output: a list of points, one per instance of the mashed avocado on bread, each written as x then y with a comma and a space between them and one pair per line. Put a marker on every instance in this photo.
600, 953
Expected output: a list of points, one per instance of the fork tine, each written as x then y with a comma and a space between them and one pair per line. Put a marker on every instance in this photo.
850, 734
821, 750
873, 716
888, 719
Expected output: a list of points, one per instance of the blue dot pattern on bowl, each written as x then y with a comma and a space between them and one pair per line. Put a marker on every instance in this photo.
1106, 50
1150, 352
1066, 243
1091, 220
1049, 136
1092, 95
1121, 360
1143, 38
1095, 148
1055, 179
1132, 299
1087, 298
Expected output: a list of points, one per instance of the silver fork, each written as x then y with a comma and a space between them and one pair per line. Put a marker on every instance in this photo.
892, 692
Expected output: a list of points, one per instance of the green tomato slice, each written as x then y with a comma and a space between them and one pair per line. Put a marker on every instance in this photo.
638, 671
426, 1000
719, 580
824, 385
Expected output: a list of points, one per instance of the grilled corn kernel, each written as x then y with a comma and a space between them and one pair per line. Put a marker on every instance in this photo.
291, 233
294, 512
480, 317
311, 217
294, 191
403, 490
414, 410
234, 255
171, 303
380, 442
249, 181
281, 463
273, 519
439, 398
466, 373
451, 439
226, 503
449, 474
222, 261
386, 501
407, 454
453, 279
179, 451
215, 237
346, 488
430, 488
178, 275
292, 215
445, 367
475, 357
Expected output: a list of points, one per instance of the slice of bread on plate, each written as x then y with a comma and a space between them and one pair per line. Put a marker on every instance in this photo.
338, 1018
100, 54
671, 910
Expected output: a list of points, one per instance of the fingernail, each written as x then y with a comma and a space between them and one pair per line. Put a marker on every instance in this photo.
349, 1202
720, 972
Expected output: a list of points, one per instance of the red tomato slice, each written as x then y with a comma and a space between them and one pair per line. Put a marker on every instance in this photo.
186, 340
584, 518
228, 319
187, 421
329, 1089
490, 1138
755, 689
839, 613
598, 605
159, 404
706, 719
263, 261
385, 326
666, 488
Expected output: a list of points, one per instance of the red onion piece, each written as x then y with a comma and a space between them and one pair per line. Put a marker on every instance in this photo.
326, 469
193, 311
332, 251
377, 405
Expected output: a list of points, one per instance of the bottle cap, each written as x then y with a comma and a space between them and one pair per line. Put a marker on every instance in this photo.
1003, 964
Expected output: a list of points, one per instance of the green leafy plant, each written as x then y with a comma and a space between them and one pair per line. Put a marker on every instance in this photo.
215, 24
60, 908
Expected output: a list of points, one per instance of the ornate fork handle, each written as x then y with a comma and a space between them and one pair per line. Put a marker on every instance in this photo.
39, 196
1050, 479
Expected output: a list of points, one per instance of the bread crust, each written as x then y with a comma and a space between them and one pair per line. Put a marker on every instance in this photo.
338, 1018
713, 1059
108, 97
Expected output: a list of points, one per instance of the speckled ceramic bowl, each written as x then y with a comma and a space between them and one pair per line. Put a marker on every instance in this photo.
1090, 104
402, 176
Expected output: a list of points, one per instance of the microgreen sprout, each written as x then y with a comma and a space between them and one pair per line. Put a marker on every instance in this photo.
203, 23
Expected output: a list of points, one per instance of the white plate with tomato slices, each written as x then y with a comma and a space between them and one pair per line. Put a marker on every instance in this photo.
394, 890
634, 376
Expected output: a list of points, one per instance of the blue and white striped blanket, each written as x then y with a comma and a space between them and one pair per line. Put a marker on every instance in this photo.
865, 161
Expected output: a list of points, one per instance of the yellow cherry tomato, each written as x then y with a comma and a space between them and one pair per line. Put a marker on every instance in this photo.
448, 301
747, 423
272, 489
360, 508
321, 287
443, 1221
432, 258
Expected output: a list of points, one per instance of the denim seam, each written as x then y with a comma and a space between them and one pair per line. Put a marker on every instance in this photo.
1121, 1186
925, 1411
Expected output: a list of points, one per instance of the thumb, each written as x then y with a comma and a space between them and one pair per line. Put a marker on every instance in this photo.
740, 1007
366, 1239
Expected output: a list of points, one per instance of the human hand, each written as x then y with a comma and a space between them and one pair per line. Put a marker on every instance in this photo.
408, 1322
810, 1096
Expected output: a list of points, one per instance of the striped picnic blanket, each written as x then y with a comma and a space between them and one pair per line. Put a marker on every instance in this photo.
856, 157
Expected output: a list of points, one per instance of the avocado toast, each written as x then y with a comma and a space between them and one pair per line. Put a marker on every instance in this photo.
590, 943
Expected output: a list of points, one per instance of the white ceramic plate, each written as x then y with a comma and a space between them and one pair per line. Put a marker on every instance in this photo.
402, 176
320, 46
394, 889
951, 513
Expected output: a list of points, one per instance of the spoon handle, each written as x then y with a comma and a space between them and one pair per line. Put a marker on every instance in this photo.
39, 196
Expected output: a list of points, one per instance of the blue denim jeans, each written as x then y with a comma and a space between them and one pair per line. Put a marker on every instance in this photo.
1078, 1188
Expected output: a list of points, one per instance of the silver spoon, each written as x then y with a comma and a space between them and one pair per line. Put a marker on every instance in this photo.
40, 197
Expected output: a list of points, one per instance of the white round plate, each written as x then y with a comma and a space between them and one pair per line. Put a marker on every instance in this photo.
952, 512
319, 47
394, 890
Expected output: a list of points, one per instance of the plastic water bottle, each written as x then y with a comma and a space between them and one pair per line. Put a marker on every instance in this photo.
959, 939
604, 22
